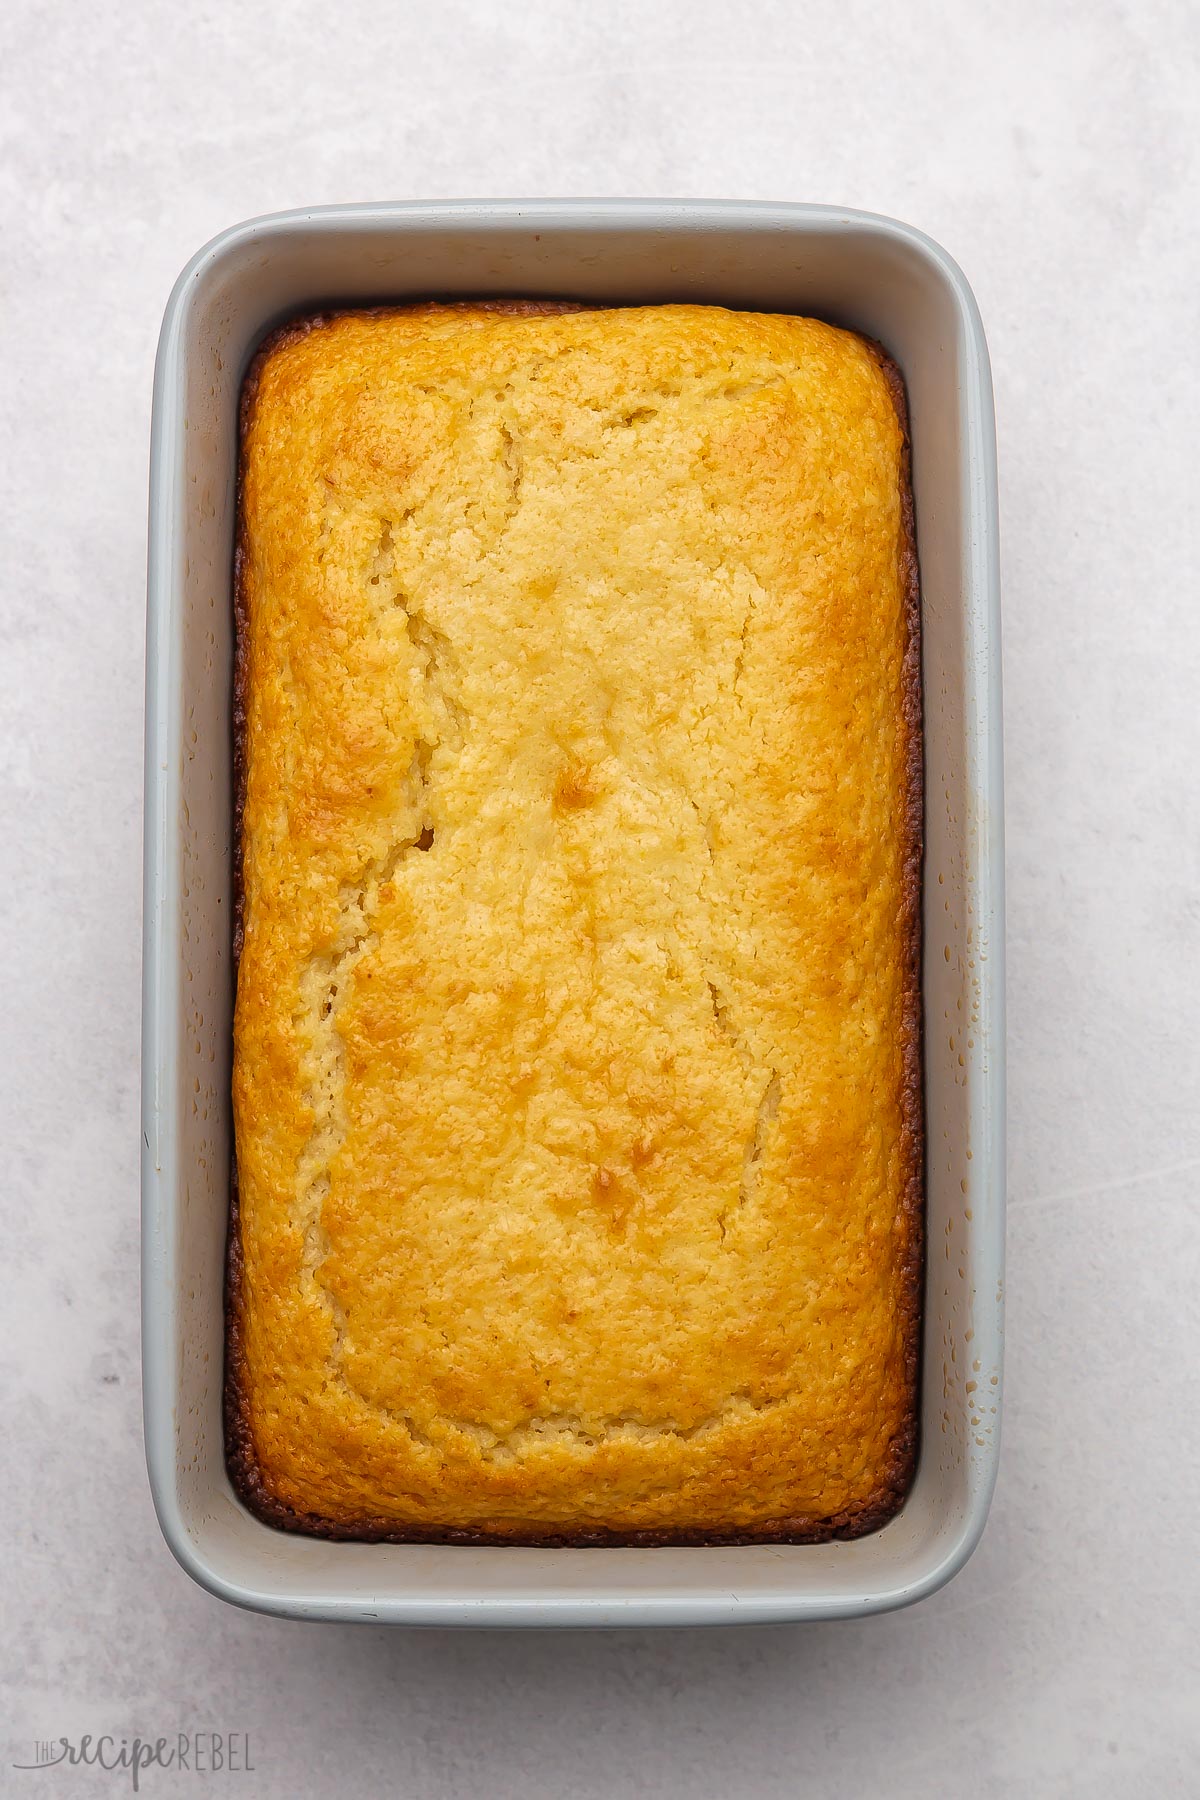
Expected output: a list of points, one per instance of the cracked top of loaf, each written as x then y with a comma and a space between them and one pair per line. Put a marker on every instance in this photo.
577, 1042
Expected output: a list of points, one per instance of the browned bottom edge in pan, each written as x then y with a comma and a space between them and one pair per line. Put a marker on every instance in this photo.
241, 1460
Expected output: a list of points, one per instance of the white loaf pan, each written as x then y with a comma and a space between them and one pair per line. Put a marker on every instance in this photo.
854, 269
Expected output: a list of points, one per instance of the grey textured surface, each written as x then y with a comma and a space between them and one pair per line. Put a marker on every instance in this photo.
1052, 150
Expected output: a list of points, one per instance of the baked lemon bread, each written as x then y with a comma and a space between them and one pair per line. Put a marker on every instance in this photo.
577, 1048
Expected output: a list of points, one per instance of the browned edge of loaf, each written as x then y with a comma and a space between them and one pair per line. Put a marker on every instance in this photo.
240, 1457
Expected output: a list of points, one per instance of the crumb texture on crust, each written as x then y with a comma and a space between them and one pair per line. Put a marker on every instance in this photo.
576, 1070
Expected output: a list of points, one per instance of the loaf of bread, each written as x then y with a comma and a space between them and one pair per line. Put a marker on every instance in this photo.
577, 1048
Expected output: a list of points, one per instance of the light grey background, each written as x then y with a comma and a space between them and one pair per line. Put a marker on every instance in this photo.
1053, 150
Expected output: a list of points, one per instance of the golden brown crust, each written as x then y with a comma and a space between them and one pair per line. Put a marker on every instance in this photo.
892, 1468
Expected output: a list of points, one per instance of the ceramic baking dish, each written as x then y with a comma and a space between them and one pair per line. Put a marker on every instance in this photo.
854, 269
